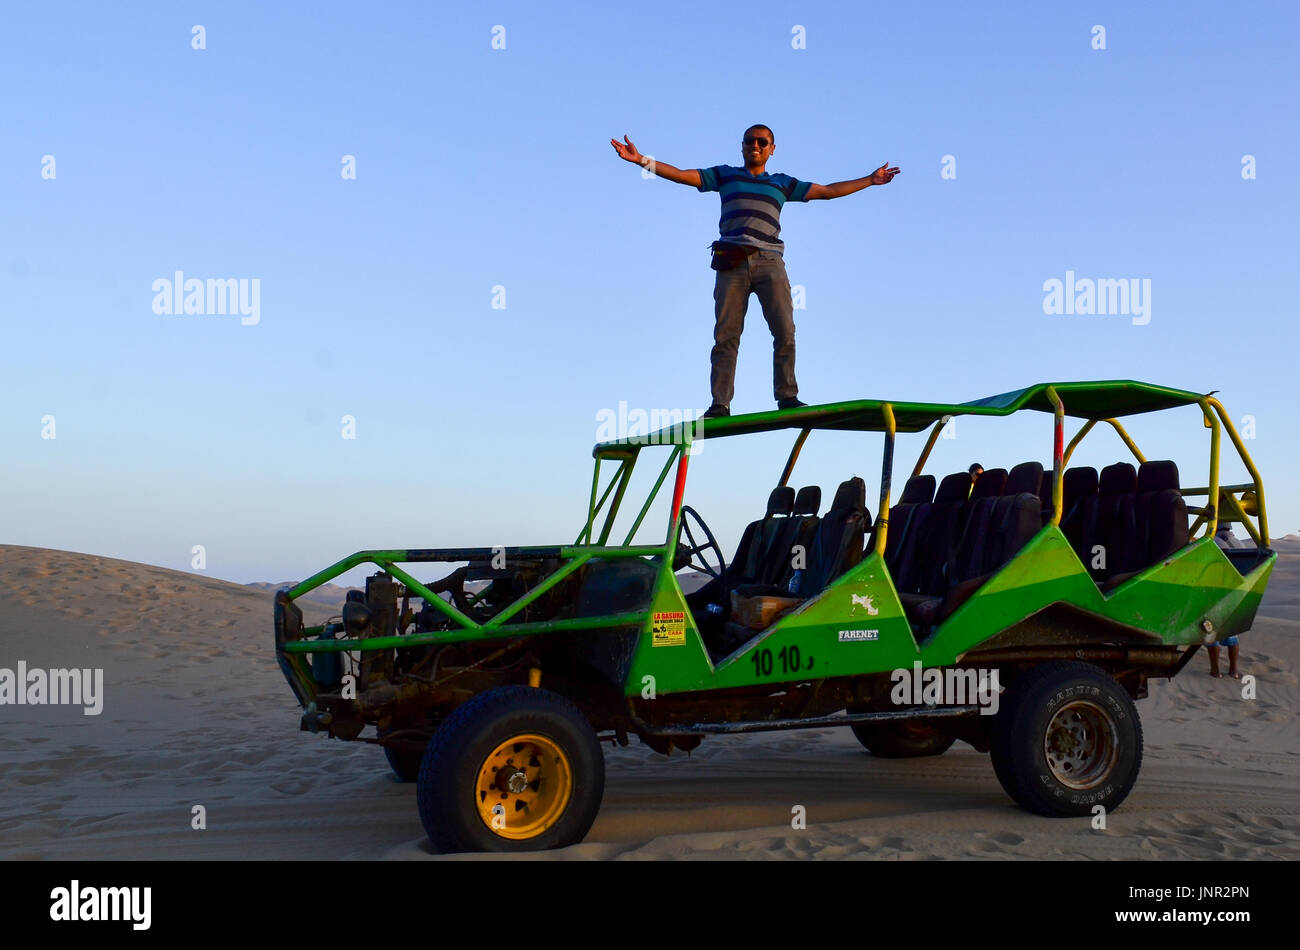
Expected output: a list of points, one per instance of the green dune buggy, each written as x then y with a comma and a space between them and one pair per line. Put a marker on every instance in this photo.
1022, 612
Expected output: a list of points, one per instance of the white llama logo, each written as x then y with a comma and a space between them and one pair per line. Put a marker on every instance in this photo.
864, 600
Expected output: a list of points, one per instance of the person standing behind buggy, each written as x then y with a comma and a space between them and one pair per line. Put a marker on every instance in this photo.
748, 256
1224, 538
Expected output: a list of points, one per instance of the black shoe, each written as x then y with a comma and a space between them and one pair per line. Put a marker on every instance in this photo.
716, 412
790, 402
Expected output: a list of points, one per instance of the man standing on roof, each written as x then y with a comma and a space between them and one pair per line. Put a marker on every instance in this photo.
748, 256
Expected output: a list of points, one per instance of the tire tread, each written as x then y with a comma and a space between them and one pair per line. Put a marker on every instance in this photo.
1016, 781
448, 746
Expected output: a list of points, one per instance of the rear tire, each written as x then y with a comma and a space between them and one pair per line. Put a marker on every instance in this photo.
1067, 739
404, 761
513, 769
901, 740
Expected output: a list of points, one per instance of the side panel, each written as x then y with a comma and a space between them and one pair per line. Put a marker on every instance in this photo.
1168, 601
1199, 584
670, 650
857, 625
1044, 572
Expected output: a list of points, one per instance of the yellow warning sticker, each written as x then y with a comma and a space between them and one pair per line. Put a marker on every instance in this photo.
668, 629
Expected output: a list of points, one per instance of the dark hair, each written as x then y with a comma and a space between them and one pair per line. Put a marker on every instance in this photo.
770, 134
973, 466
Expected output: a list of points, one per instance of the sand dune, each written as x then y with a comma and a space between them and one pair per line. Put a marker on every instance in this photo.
329, 596
196, 712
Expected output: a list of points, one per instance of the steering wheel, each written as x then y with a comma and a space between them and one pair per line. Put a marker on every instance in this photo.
686, 554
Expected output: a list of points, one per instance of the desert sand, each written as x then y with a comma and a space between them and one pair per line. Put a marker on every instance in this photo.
195, 712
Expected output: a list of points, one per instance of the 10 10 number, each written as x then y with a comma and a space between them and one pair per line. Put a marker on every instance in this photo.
788, 658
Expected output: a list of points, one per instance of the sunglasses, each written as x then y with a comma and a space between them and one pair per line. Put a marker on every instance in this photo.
756, 140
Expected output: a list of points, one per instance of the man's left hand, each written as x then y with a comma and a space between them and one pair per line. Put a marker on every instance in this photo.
883, 175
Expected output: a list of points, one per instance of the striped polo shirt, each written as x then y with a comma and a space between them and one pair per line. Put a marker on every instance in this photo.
751, 204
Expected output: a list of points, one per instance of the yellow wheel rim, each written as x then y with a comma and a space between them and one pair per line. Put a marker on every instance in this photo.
524, 786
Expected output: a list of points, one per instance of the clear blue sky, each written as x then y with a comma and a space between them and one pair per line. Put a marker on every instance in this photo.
479, 167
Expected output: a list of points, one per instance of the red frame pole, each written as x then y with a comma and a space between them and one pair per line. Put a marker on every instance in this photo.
679, 486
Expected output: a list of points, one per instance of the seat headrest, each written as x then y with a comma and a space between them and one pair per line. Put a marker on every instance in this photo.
953, 488
808, 501
1045, 484
990, 484
780, 501
1157, 476
919, 490
1025, 477
851, 495
1079, 481
1117, 479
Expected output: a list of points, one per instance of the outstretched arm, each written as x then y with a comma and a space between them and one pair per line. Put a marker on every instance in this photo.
628, 153
881, 176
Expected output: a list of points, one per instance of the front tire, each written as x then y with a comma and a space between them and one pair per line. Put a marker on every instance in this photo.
901, 740
1066, 740
513, 769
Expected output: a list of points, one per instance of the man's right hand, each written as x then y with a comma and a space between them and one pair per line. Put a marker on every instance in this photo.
627, 152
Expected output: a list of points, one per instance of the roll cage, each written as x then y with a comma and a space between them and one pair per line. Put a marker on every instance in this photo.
1094, 402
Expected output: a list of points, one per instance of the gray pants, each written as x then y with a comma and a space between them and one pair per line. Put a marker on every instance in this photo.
763, 273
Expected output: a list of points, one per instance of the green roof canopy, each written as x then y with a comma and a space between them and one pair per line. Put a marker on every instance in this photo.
1102, 399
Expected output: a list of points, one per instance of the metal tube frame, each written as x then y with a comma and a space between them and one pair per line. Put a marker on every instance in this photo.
886, 476
1058, 452
578, 554
1218, 496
